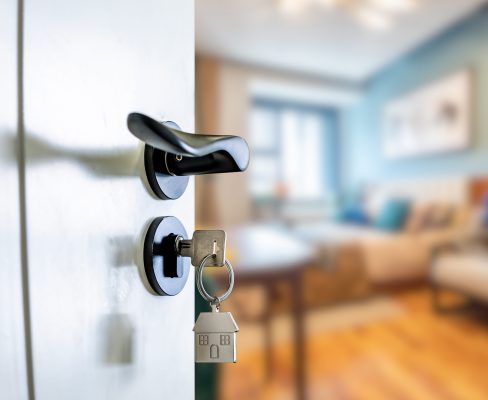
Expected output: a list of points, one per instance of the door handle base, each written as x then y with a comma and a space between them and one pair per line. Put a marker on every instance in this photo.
166, 271
164, 186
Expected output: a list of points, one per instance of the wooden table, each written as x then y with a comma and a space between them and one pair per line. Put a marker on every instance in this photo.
265, 256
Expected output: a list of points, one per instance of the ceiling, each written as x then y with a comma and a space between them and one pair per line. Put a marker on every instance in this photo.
320, 41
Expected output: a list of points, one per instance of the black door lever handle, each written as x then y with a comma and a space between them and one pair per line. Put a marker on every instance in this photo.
171, 152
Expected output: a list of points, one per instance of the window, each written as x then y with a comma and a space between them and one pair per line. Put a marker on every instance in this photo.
294, 152
225, 340
202, 339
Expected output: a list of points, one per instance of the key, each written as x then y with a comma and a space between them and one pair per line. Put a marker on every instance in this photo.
203, 243
215, 337
215, 331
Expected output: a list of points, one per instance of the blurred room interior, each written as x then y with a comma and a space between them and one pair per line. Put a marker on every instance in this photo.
358, 234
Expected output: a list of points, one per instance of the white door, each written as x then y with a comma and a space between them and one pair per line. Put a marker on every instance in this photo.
95, 330
13, 371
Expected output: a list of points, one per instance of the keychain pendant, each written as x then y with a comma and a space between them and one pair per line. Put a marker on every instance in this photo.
215, 332
215, 337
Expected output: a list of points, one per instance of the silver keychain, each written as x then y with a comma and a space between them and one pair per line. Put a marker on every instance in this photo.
215, 331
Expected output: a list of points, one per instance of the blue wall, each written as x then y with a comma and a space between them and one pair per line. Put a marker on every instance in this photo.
465, 45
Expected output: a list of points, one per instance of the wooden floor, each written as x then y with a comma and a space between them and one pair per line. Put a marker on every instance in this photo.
415, 355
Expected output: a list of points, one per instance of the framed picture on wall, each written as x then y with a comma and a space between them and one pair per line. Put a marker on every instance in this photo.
432, 119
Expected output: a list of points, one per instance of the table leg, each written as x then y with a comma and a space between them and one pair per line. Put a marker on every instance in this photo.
299, 334
268, 334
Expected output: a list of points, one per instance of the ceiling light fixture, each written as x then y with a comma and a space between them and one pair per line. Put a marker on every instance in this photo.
376, 15
293, 7
395, 6
327, 3
373, 19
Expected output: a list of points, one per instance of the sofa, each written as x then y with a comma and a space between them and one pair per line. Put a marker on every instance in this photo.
462, 268
403, 255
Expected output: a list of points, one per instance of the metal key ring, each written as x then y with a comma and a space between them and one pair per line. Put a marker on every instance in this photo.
214, 299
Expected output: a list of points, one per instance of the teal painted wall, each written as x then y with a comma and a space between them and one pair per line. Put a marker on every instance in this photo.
465, 45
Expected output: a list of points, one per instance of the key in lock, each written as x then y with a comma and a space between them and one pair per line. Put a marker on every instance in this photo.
203, 243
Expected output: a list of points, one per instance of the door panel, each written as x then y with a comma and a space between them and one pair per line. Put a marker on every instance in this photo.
97, 332
13, 382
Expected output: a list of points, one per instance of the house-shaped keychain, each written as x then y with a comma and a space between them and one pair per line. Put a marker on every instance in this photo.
215, 337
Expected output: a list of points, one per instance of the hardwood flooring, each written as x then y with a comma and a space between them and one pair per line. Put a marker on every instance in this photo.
416, 354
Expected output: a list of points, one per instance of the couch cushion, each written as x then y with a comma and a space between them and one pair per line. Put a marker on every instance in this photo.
399, 258
467, 273
440, 216
417, 218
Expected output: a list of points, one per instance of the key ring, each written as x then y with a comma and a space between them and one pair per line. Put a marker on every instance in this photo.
214, 300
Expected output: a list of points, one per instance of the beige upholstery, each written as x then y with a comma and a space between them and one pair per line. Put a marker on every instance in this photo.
392, 257
404, 256
454, 190
387, 257
466, 272
400, 258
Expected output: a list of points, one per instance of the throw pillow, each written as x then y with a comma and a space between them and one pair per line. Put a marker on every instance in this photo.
393, 215
418, 218
353, 214
440, 216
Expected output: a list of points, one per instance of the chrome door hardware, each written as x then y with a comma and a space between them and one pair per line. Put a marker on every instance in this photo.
172, 155
201, 245
167, 255
166, 271
168, 252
